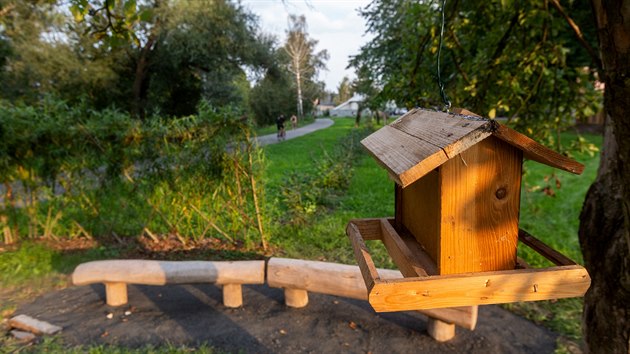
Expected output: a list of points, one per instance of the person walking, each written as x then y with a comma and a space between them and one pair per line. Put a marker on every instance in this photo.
280, 125
293, 122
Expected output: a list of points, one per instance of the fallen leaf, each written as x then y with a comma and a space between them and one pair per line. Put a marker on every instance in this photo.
352, 325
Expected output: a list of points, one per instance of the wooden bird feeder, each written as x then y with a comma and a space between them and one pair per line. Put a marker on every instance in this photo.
455, 231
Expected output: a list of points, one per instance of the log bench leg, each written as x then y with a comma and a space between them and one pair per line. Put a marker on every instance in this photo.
295, 297
440, 330
116, 294
232, 295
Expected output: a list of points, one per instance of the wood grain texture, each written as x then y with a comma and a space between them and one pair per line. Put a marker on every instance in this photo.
449, 132
405, 157
421, 210
480, 199
370, 228
479, 288
407, 263
419, 253
537, 152
362, 255
346, 281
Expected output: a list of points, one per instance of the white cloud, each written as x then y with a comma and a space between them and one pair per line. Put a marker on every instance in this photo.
335, 24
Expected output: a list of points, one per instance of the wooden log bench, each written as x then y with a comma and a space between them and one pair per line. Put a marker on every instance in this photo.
298, 277
116, 274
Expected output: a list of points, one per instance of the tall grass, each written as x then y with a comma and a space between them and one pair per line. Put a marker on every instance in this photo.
71, 171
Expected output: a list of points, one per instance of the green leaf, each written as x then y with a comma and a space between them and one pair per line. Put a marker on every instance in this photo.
146, 15
130, 8
78, 12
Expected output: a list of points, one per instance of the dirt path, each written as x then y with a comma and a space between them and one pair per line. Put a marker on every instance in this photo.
193, 314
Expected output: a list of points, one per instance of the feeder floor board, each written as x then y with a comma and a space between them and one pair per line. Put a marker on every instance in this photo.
466, 289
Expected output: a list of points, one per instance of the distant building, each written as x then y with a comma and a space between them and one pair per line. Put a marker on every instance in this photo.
324, 104
348, 108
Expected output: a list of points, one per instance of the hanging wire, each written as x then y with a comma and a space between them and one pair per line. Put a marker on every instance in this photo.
447, 102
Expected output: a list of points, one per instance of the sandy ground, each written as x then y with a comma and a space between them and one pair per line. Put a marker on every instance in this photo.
193, 314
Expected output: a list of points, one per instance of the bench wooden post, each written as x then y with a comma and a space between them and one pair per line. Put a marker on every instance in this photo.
296, 298
440, 330
116, 294
232, 295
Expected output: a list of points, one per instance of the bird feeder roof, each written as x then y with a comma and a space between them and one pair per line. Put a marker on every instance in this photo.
422, 140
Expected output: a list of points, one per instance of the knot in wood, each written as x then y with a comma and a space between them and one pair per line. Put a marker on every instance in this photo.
500, 193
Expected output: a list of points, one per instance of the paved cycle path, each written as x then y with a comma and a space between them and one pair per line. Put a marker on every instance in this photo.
320, 123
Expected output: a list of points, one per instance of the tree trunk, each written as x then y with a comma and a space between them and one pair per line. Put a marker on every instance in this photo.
300, 110
605, 218
141, 78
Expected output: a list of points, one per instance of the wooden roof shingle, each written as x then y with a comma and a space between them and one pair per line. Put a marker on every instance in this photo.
422, 140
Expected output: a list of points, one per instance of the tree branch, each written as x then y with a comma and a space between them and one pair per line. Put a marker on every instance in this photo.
578, 34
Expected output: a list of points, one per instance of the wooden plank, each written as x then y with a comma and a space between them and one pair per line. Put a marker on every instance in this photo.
400, 253
419, 253
450, 132
405, 157
480, 197
370, 228
554, 256
33, 325
421, 212
398, 206
537, 152
347, 281
479, 288
362, 255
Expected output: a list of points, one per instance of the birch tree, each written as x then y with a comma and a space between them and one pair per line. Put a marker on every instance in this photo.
304, 62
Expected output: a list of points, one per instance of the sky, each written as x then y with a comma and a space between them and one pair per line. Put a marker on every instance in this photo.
336, 24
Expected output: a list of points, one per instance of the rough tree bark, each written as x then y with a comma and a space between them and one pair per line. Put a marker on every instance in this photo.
605, 219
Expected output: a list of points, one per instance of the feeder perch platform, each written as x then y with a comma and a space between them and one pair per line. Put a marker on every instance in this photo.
566, 279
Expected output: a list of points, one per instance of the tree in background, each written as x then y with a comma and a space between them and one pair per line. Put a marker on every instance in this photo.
304, 63
41, 53
273, 94
345, 91
516, 59
177, 52
372, 99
